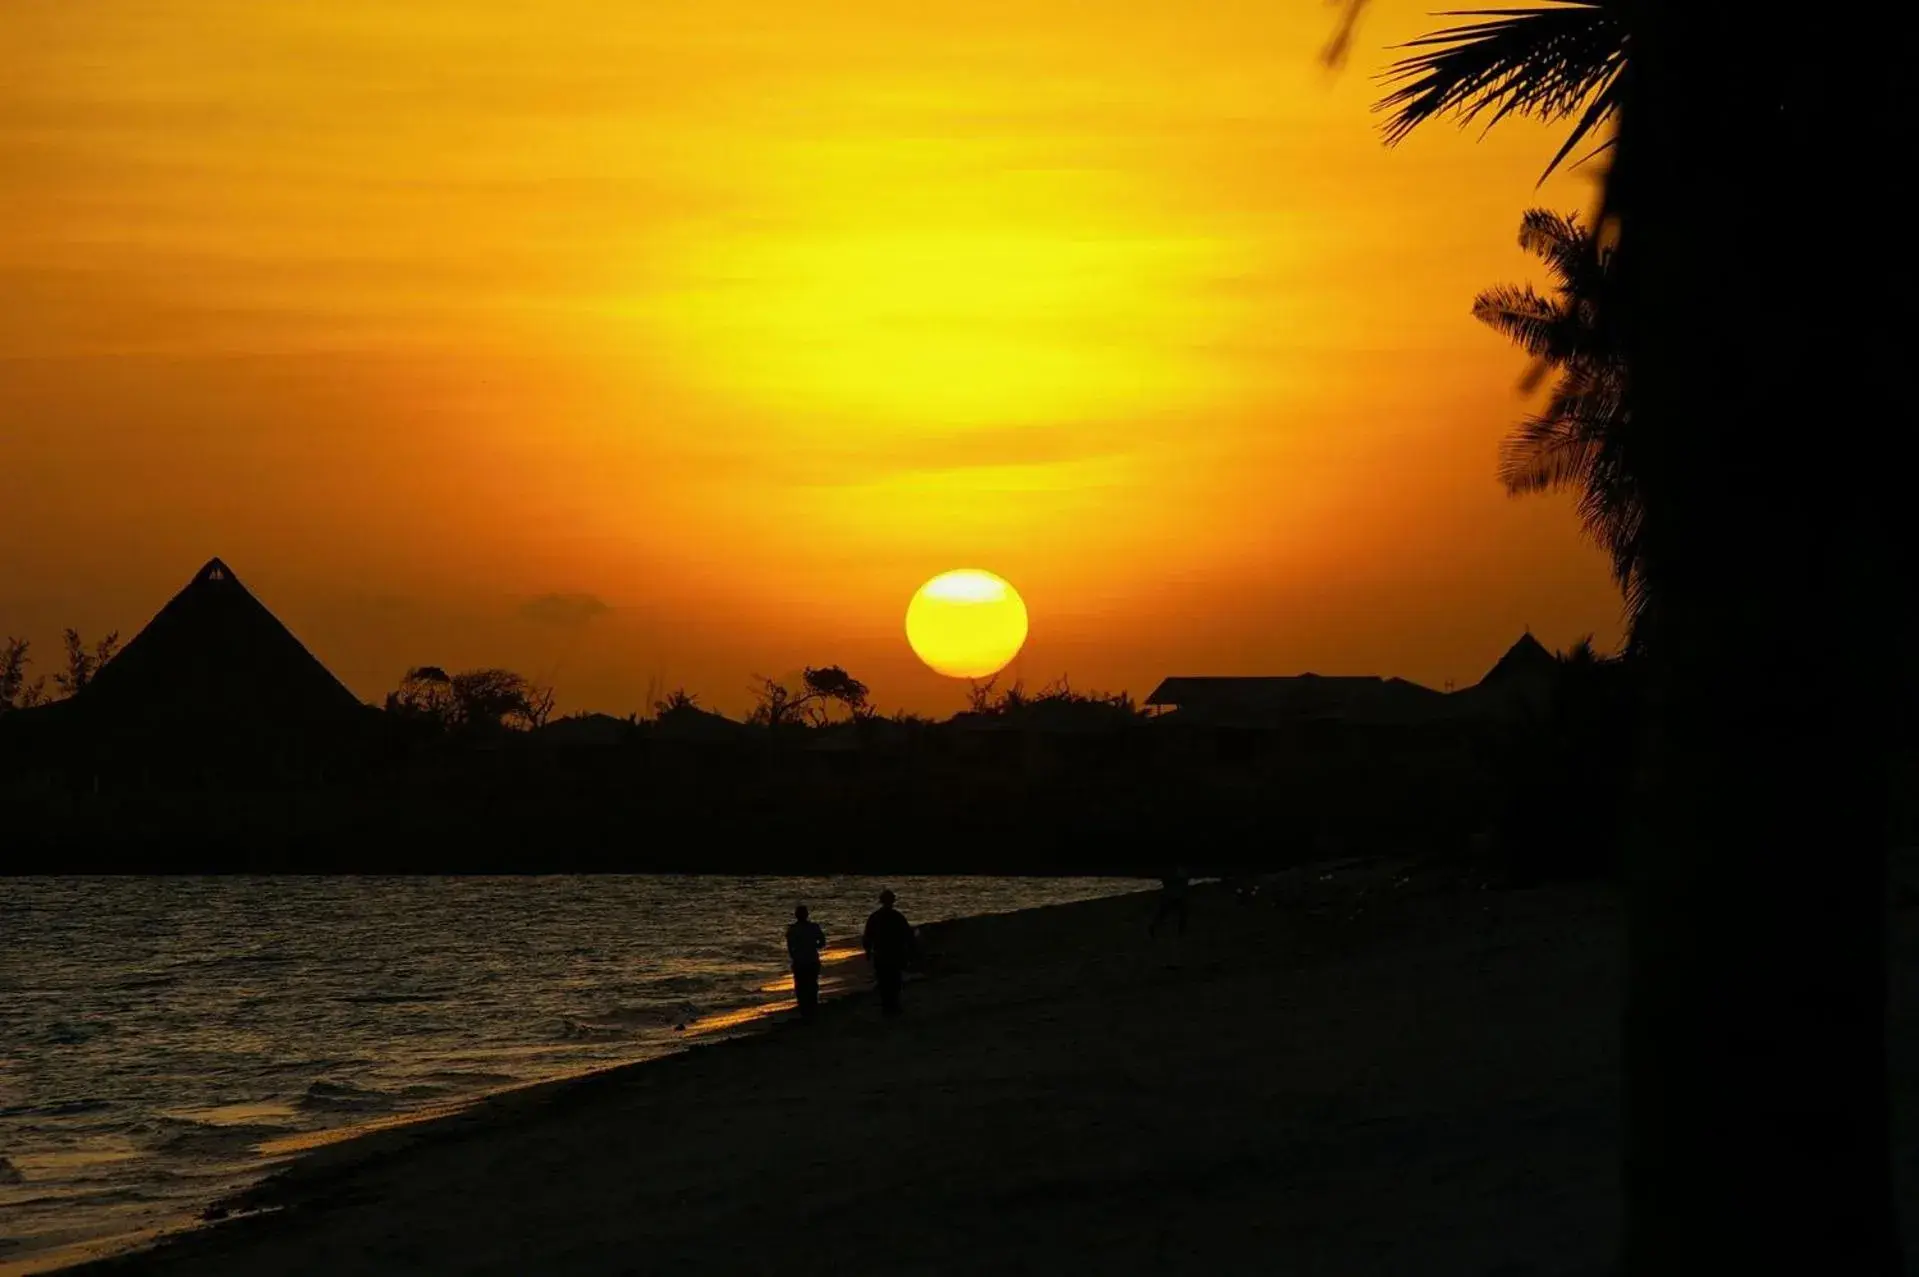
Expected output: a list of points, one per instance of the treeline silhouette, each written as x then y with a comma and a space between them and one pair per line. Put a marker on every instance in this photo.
471, 771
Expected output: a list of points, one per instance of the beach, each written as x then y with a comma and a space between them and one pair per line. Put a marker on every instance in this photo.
1376, 1071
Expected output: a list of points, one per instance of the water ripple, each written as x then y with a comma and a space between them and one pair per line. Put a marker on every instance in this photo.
159, 1031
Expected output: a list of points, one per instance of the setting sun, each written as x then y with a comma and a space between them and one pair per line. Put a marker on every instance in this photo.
966, 624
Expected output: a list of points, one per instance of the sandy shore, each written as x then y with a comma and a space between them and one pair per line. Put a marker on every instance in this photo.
1380, 1076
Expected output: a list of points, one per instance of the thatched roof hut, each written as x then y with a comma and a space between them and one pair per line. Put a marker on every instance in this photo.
214, 652
213, 673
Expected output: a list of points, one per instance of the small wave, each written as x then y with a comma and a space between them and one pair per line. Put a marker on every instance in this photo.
390, 999
645, 1016
57, 1108
144, 982
69, 1033
343, 1097
10, 1174
571, 1030
256, 958
459, 1078
318, 1065
69, 1200
197, 1139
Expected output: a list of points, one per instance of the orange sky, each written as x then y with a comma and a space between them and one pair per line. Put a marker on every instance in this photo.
635, 345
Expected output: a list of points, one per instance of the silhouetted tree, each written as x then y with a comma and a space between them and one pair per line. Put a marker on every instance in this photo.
537, 708
776, 705
1582, 439
832, 684
426, 693
488, 699
1781, 581
1061, 691
474, 701
15, 691
984, 697
83, 662
1756, 1070
676, 701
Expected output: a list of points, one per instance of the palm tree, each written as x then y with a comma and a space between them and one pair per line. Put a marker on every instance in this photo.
1540, 63
1756, 1070
1581, 440
1783, 578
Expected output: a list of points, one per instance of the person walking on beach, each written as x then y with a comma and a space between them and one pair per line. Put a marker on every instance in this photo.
804, 940
889, 947
1172, 902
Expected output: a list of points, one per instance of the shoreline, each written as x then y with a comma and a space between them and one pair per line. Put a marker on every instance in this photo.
1384, 1073
285, 1153
843, 977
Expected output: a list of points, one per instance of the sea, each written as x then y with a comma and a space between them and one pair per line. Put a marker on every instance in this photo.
166, 1041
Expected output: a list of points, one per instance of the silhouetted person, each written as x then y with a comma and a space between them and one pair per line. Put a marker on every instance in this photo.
804, 940
1172, 902
889, 947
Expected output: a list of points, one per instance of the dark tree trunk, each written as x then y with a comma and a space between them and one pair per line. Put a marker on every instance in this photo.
1757, 1102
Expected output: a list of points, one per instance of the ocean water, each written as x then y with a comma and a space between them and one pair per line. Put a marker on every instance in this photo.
165, 1040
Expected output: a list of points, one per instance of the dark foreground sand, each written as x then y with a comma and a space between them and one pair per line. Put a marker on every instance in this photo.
1388, 1077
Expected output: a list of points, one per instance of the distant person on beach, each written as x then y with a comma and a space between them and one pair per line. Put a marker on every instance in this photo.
1172, 902
889, 947
804, 940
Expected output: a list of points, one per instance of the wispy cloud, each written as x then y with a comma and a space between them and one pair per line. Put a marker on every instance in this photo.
566, 611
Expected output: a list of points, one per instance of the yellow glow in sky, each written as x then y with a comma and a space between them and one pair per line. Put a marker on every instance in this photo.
992, 298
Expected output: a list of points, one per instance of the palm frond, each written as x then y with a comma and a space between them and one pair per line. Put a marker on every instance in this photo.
1556, 239
1582, 441
1545, 63
1599, 112
1545, 453
1521, 315
1572, 251
1570, 328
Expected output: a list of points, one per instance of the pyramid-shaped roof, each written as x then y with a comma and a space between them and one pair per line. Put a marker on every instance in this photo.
1519, 684
1524, 659
215, 655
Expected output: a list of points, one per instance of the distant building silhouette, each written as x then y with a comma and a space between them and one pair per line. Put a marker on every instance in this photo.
215, 651
1258, 701
585, 730
1277, 720
213, 683
691, 725
1521, 681
1519, 685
